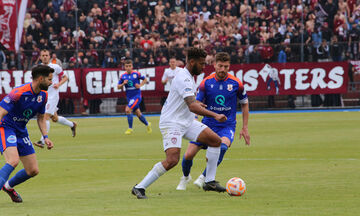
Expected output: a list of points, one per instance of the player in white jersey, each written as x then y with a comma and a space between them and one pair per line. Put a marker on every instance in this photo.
53, 98
170, 73
168, 76
177, 120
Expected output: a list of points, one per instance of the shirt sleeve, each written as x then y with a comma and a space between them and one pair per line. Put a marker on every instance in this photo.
121, 80
242, 95
164, 75
201, 93
142, 77
9, 101
184, 86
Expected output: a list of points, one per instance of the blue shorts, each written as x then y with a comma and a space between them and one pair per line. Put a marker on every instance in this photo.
222, 132
9, 138
133, 103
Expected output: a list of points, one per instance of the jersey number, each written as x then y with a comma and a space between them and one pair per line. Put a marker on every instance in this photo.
26, 140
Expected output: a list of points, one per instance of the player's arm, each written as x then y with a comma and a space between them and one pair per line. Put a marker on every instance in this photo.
164, 78
3, 112
42, 126
122, 83
197, 107
141, 84
245, 116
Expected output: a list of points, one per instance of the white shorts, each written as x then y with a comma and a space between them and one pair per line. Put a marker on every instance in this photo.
51, 105
172, 136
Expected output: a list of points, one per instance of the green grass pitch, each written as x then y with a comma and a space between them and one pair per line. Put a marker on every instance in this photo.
297, 164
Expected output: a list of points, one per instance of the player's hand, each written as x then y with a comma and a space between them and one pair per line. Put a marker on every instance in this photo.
49, 143
56, 85
220, 118
137, 86
245, 133
126, 81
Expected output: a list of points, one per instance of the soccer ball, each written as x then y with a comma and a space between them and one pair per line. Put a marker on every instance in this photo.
235, 186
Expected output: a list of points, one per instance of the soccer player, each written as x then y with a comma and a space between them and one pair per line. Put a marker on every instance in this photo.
220, 93
16, 109
168, 76
177, 120
53, 98
131, 80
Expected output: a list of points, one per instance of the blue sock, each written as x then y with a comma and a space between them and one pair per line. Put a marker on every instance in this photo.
223, 150
143, 120
186, 166
19, 178
5, 173
130, 120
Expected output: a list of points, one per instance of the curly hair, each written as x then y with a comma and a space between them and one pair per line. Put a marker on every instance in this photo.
195, 53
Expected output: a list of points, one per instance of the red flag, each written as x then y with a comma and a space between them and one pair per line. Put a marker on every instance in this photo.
12, 15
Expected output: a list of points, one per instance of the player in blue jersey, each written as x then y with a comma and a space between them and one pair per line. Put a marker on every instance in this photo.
220, 92
131, 80
16, 109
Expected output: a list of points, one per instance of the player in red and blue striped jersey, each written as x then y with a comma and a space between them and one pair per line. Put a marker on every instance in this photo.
16, 109
131, 80
220, 92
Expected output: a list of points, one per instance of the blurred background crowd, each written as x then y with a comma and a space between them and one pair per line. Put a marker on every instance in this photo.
99, 33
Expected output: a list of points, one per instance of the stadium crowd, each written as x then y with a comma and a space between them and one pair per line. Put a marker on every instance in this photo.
249, 30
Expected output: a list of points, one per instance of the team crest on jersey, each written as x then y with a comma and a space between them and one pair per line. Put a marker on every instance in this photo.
229, 87
174, 140
39, 99
134, 75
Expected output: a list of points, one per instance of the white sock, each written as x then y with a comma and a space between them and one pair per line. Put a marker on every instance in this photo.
64, 121
7, 186
212, 155
157, 171
47, 130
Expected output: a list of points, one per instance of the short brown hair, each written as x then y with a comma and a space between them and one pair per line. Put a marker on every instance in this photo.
41, 70
222, 56
196, 53
128, 61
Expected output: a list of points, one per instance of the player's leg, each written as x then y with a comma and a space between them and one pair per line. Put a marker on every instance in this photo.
28, 158
129, 115
227, 137
62, 120
186, 164
143, 119
172, 139
213, 141
8, 148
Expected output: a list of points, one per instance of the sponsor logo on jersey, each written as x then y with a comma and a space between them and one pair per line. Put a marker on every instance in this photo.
12, 139
230, 87
27, 113
39, 99
130, 83
220, 99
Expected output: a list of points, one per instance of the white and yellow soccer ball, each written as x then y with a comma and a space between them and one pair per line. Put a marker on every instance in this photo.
236, 187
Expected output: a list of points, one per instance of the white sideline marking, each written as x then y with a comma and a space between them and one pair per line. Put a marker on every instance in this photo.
228, 159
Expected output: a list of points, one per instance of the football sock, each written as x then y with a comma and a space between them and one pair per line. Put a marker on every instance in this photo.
157, 171
130, 120
223, 150
18, 178
47, 129
212, 155
5, 172
143, 120
64, 121
186, 166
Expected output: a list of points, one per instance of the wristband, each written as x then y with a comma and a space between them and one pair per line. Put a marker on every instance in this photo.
45, 136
